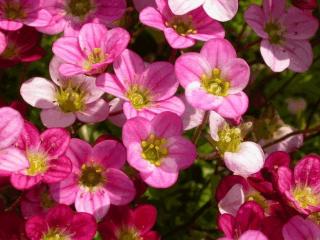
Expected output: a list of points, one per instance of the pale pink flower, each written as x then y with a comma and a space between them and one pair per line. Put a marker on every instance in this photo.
181, 31
96, 180
285, 35
214, 79
43, 157
146, 89
91, 51
241, 157
156, 148
221, 10
298, 228
16, 13
70, 15
191, 117
65, 99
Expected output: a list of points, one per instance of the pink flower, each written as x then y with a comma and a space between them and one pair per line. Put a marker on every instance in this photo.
141, 4
241, 157
18, 48
3, 42
249, 235
249, 217
181, 31
65, 99
221, 10
42, 157
156, 148
285, 35
61, 223
36, 201
147, 90
96, 180
16, 13
191, 117
92, 51
126, 223
214, 79
301, 189
298, 228
70, 15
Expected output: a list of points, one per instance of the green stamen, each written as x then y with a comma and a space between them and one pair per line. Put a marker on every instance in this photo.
182, 24
275, 32
128, 234
138, 97
37, 163
95, 57
214, 84
92, 176
229, 139
305, 196
71, 99
80, 8
55, 234
154, 149
13, 10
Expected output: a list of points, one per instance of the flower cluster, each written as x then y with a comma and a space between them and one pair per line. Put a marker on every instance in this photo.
104, 136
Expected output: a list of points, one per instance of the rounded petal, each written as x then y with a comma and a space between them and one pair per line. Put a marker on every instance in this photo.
110, 153
3, 42
109, 83
218, 52
300, 54
190, 67
94, 112
176, 40
173, 104
307, 171
256, 19
166, 125
10, 25
39, 92
274, 9
56, 118
237, 72
233, 106
276, 57
29, 137
13, 160
159, 178
11, 125
180, 7
136, 160
117, 40
55, 141
182, 151
216, 122
91, 36
144, 218
40, 18
120, 188
253, 235
298, 228
248, 160
83, 226
221, 10
232, 200
79, 152
68, 49
58, 170
191, 117
23, 182
36, 227
96, 203
200, 99
152, 18
135, 130
65, 191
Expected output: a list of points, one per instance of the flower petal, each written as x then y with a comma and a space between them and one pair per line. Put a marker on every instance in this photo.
56, 118
256, 19
13, 160
135, 130
180, 7
167, 124
233, 106
176, 40
144, 217
55, 141
94, 112
221, 10
109, 83
152, 18
58, 170
65, 191
159, 178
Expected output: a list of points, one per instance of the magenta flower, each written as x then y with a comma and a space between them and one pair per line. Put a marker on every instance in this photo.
12, 226
248, 235
61, 223
96, 180
65, 99
249, 217
298, 228
18, 48
147, 90
301, 189
92, 51
126, 223
3, 42
214, 79
36, 201
181, 31
16, 13
156, 148
43, 157
70, 15
285, 35
221, 10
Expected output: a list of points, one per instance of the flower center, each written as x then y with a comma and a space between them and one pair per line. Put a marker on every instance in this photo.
92, 176
80, 8
229, 139
154, 149
55, 234
305, 196
274, 31
258, 198
129, 234
37, 163
70, 99
214, 84
13, 10
46, 200
182, 25
95, 57
138, 97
